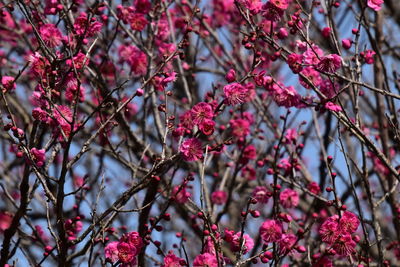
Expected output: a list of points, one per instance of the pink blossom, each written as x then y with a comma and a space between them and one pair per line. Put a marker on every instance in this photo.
253, 5
346, 43
219, 197
235, 94
8, 83
282, 4
207, 127
39, 114
286, 243
249, 173
51, 35
295, 62
286, 96
162, 82
375, 4
283, 33
126, 252
222, 12
312, 55
111, 251
312, 75
134, 57
262, 194
209, 246
326, 32
271, 231
142, 6
205, 260
291, 136
368, 56
180, 194
249, 152
345, 245
39, 64
333, 107
63, 117
78, 62
201, 112
71, 87
134, 239
52, 7
38, 156
138, 22
5, 220
72, 227
247, 242
86, 27
171, 260
186, 119
240, 127
314, 188
230, 76
323, 261
191, 149
271, 12
329, 229
330, 63
348, 222
328, 89
289, 198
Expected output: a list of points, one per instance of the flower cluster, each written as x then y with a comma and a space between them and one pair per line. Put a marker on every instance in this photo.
125, 250
338, 232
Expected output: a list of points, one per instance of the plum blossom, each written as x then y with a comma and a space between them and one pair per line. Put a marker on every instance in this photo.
329, 229
191, 149
249, 173
337, 232
330, 63
271, 231
289, 198
273, 10
134, 57
205, 260
8, 83
240, 127
314, 188
286, 96
51, 35
235, 93
234, 239
375, 4
85, 27
368, 56
201, 112
253, 5
295, 62
181, 194
262, 194
333, 107
345, 245
111, 251
312, 75
286, 243
171, 260
230, 76
38, 156
125, 249
219, 197
5, 220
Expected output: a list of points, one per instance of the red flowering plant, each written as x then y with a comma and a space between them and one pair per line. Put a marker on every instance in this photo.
199, 133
